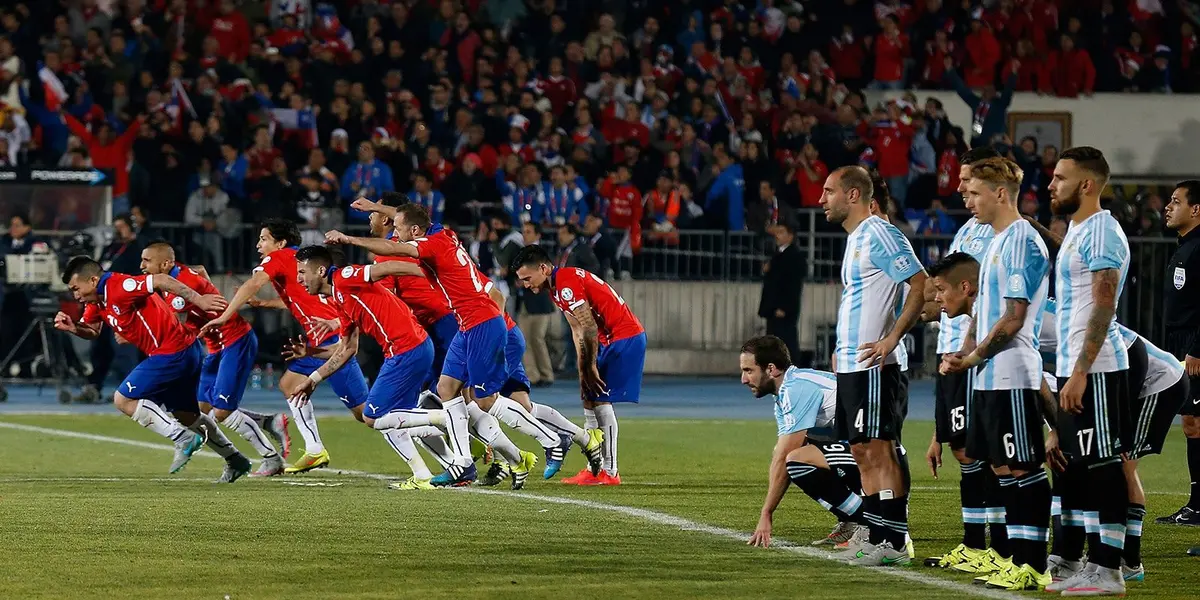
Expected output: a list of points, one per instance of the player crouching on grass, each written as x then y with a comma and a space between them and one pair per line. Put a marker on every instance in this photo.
805, 400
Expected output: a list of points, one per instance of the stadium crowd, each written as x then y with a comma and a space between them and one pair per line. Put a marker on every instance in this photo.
652, 116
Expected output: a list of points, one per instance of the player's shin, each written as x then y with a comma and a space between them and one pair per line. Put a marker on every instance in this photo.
457, 429
606, 420
432, 439
1133, 534
998, 488
556, 421
1028, 518
150, 416
972, 493
1105, 518
488, 429
402, 443
217, 442
589, 419
514, 415
306, 422
246, 427
824, 486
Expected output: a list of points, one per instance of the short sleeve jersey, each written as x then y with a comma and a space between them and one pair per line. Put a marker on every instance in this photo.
456, 275
1096, 244
375, 310
129, 305
280, 266
428, 304
1163, 370
807, 399
1014, 268
574, 286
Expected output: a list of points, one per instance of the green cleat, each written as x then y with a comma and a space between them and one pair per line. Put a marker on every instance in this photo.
412, 483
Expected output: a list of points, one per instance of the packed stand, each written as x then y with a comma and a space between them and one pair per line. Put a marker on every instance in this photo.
645, 120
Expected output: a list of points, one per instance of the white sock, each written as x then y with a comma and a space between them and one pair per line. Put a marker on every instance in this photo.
436, 445
402, 443
410, 419
488, 429
251, 432
511, 413
558, 422
607, 420
306, 422
150, 416
589, 419
421, 431
217, 442
457, 426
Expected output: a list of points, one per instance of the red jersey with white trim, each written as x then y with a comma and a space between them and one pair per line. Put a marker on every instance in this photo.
195, 318
428, 303
376, 310
508, 322
573, 287
465, 288
130, 306
280, 266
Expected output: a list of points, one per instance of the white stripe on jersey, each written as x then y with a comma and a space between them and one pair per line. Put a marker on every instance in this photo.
807, 398
879, 259
1162, 369
1015, 266
973, 238
1095, 244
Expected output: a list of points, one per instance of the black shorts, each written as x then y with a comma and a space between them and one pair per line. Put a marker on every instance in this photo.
1139, 364
1191, 403
952, 407
1152, 418
1102, 430
1005, 428
837, 454
871, 404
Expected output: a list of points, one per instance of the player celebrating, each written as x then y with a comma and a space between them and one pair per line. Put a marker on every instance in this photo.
170, 373
805, 400
1005, 423
476, 356
871, 392
1092, 362
609, 341
391, 406
277, 244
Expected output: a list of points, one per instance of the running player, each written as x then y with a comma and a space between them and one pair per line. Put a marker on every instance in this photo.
278, 241
1092, 363
805, 401
170, 374
1005, 423
978, 487
609, 341
366, 305
872, 390
232, 350
475, 365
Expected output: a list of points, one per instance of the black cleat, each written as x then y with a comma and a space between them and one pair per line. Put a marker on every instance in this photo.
1184, 516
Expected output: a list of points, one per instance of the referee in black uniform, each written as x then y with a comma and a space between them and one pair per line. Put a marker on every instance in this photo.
1181, 309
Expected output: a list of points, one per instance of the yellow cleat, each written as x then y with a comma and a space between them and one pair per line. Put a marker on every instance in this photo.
1002, 579
986, 563
412, 484
481, 452
1026, 578
520, 471
308, 462
594, 450
959, 555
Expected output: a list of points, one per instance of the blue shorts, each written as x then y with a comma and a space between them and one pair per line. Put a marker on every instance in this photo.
442, 333
348, 382
399, 383
167, 379
224, 373
476, 357
620, 364
514, 355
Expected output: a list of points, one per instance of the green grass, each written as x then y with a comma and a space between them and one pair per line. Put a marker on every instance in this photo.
150, 535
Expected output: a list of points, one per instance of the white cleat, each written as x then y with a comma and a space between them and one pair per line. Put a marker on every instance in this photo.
1097, 581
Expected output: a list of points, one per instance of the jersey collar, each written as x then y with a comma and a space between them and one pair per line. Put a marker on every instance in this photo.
174, 272
103, 283
434, 228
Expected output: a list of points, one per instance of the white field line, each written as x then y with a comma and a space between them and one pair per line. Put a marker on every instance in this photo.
649, 516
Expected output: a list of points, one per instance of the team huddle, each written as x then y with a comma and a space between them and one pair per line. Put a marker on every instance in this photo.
1025, 381
452, 368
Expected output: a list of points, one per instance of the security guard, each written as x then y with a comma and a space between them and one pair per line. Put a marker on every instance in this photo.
1181, 309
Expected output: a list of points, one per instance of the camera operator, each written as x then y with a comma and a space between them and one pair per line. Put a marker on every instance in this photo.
14, 302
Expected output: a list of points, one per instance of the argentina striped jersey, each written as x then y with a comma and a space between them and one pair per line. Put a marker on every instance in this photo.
1163, 370
1096, 244
1014, 268
879, 259
807, 399
972, 238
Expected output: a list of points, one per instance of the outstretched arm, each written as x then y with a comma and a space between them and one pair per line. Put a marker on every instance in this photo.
376, 246
777, 485
87, 331
243, 295
383, 270
342, 352
366, 205
206, 302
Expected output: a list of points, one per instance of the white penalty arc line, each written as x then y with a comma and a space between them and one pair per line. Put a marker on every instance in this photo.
642, 514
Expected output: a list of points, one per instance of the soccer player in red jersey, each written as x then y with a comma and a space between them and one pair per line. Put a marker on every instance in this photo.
171, 371
476, 357
368, 306
609, 341
230, 359
277, 244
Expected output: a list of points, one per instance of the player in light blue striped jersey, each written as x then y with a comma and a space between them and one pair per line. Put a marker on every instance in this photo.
871, 389
805, 403
1092, 365
1005, 426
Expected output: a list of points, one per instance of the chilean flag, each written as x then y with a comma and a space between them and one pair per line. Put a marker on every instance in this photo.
56, 93
292, 120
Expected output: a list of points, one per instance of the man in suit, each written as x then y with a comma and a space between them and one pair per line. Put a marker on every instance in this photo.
603, 245
783, 280
574, 251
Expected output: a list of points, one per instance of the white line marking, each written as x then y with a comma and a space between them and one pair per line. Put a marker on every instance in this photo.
650, 516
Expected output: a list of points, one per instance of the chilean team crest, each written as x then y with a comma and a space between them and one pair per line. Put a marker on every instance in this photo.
567, 295
178, 303
1180, 278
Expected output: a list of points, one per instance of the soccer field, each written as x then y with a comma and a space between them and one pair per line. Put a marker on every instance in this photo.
89, 512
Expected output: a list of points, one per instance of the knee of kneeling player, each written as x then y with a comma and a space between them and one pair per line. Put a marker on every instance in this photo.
808, 454
1191, 427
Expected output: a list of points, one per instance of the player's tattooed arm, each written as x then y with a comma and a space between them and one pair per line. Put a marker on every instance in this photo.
1005, 330
1104, 308
376, 246
1049, 405
969, 344
587, 346
339, 355
207, 302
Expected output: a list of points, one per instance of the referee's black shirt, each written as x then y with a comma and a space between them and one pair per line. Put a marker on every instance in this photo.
1181, 302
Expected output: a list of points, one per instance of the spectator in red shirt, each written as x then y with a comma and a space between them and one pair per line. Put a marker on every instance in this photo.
621, 203
983, 54
1070, 70
953, 147
108, 152
463, 42
937, 51
890, 137
488, 159
891, 47
810, 173
232, 32
557, 88
439, 168
261, 156
847, 56
1030, 69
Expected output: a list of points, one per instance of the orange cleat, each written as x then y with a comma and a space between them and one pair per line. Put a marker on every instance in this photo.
584, 477
606, 479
